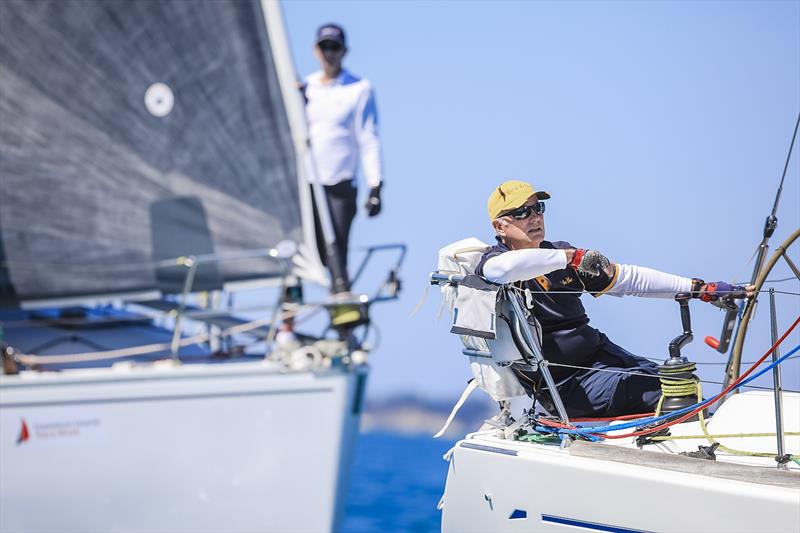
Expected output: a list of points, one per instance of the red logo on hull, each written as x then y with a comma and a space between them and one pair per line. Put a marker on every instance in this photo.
23, 433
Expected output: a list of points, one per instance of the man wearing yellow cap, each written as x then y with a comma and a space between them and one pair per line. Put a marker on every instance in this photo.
610, 381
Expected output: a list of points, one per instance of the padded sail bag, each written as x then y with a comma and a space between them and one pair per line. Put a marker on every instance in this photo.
474, 309
461, 258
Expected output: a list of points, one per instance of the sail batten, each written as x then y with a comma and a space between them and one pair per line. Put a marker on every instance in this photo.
132, 132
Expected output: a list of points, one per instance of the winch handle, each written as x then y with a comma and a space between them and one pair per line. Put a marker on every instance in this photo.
686, 337
686, 319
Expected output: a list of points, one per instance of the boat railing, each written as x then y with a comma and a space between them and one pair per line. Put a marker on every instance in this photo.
371, 251
180, 310
283, 254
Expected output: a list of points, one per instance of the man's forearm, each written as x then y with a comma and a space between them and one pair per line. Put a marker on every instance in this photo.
633, 280
520, 265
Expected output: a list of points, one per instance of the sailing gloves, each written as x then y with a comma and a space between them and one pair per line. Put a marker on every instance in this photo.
718, 293
373, 205
589, 262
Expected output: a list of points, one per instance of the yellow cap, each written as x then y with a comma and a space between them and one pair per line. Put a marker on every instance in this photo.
511, 195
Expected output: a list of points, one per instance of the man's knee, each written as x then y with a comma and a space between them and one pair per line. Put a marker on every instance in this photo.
635, 394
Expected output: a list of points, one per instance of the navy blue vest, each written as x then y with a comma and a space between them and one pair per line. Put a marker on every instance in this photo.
567, 337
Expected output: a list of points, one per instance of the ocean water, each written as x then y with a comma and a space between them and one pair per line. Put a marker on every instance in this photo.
395, 484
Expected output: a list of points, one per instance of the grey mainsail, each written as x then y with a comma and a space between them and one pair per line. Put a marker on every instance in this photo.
96, 184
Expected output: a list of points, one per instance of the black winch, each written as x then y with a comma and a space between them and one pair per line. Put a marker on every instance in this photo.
679, 385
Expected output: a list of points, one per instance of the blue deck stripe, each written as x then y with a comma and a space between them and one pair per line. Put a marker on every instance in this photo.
591, 526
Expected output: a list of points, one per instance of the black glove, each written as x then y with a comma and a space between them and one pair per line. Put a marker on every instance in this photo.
373, 205
590, 262
722, 294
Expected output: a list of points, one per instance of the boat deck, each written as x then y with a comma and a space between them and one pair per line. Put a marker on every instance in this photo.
82, 330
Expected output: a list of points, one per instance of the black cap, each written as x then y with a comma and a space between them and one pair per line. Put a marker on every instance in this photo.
330, 32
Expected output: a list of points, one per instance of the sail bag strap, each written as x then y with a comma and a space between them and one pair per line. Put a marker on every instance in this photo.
471, 386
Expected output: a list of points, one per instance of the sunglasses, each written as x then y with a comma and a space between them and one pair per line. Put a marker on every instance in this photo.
327, 46
521, 213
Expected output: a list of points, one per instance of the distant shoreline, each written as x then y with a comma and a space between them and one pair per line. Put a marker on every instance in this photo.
413, 415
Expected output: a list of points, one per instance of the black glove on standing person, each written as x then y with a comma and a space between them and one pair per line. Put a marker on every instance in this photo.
373, 205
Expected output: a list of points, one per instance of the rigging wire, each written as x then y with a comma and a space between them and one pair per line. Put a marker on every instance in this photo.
685, 413
786, 167
741, 380
719, 363
665, 293
780, 280
656, 376
596, 433
697, 408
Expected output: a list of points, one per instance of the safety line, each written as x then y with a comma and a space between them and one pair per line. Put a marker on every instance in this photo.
691, 409
656, 376
703, 405
694, 294
722, 436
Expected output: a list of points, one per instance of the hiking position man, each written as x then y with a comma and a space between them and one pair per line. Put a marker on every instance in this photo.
343, 125
610, 381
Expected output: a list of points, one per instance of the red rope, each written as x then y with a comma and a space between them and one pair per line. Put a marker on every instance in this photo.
612, 418
687, 415
715, 399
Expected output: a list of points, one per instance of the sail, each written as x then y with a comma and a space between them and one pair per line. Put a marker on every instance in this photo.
134, 132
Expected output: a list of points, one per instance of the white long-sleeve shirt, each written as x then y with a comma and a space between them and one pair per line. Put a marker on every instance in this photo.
520, 265
343, 125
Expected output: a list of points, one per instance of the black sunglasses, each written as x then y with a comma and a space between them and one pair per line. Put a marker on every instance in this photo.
327, 46
521, 213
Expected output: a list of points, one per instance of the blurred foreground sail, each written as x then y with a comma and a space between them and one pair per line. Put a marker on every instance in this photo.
152, 152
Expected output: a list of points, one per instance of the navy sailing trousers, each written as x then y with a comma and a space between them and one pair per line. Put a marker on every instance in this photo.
610, 393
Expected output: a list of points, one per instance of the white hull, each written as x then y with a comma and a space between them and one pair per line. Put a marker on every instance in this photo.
233, 447
499, 485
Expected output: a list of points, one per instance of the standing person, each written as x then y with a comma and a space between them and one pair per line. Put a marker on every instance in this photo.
599, 378
343, 126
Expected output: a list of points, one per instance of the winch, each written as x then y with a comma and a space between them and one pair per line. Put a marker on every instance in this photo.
679, 385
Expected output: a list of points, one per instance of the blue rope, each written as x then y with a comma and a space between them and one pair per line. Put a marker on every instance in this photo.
584, 431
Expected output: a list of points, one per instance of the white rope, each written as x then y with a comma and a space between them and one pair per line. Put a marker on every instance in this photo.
198, 316
31, 359
471, 386
421, 302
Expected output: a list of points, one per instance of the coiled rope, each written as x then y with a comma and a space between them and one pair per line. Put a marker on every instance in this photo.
682, 415
673, 387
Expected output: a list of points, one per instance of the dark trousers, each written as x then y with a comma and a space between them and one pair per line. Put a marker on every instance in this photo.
342, 204
604, 391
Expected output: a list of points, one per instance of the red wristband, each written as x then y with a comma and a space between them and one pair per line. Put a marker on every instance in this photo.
577, 258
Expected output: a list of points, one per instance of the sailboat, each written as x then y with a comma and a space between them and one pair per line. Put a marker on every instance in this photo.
532, 468
154, 171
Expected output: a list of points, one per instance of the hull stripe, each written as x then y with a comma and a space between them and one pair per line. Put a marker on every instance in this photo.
484, 448
590, 526
142, 399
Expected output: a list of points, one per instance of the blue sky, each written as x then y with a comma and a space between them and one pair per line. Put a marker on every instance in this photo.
659, 128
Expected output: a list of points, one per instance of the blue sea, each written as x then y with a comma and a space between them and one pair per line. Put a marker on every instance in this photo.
395, 484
